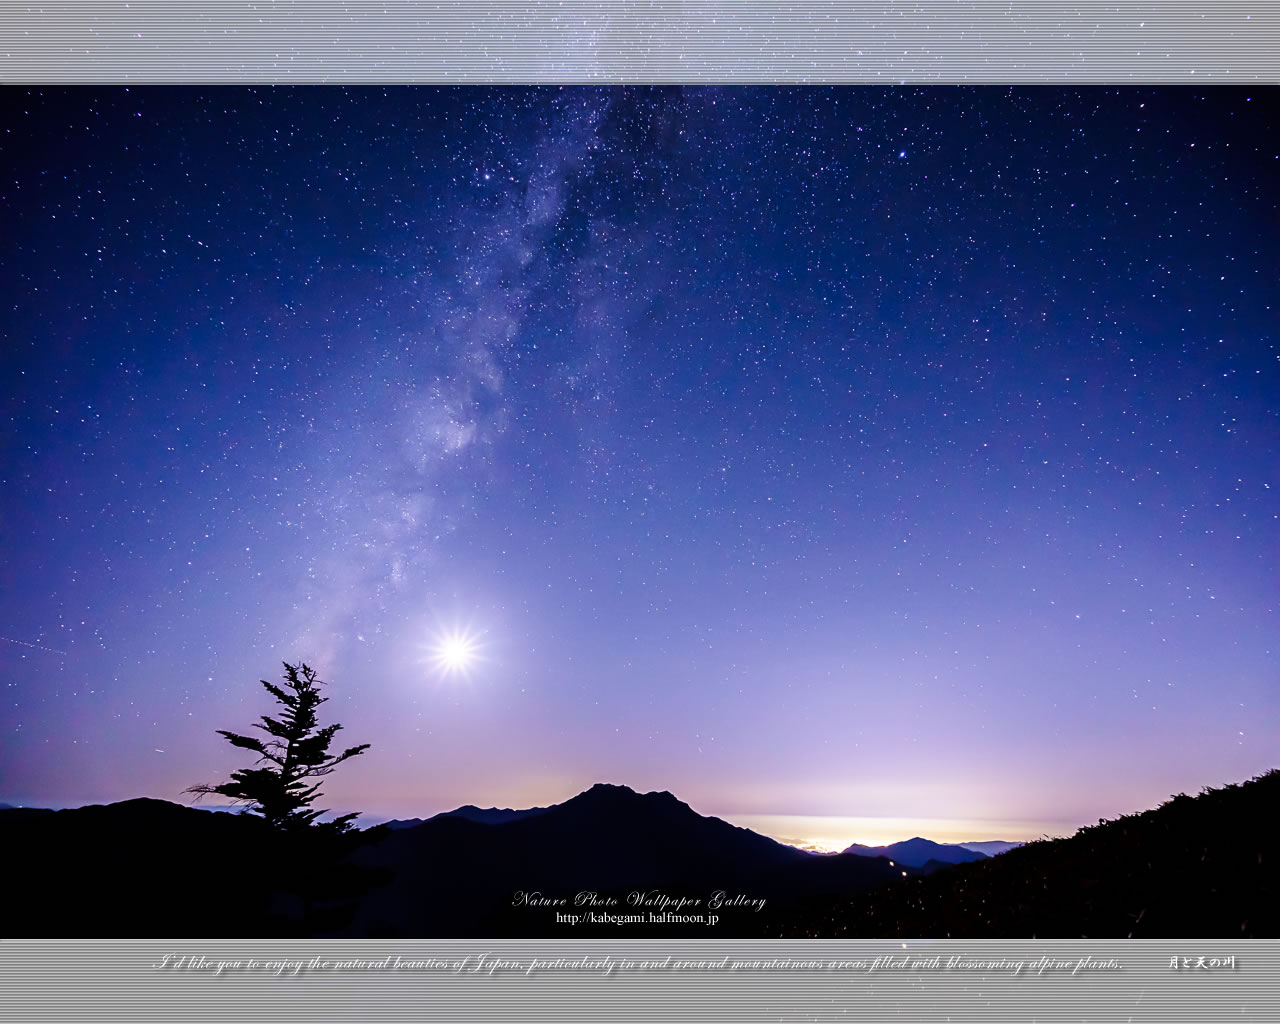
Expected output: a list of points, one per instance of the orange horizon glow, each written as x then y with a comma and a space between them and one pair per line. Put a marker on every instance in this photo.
829, 834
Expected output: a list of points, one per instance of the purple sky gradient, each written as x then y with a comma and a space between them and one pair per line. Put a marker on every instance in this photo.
847, 452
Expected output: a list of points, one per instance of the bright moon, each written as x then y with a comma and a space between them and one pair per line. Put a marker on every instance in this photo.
455, 652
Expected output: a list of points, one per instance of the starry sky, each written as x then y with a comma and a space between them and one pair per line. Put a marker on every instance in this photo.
815, 452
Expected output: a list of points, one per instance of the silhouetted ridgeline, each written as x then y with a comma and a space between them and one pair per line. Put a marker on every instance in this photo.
147, 867
991, 847
918, 852
137, 868
454, 876
1195, 867
482, 815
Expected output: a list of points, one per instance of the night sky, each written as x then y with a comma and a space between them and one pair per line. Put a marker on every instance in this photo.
856, 452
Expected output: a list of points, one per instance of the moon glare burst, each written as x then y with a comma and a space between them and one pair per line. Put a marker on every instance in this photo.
455, 652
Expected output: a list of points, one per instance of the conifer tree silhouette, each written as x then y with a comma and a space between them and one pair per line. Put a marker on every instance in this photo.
276, 787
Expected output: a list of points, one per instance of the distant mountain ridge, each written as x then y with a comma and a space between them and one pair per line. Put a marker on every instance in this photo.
499, 815
918, 852
480, 815
991, 847
1194, 867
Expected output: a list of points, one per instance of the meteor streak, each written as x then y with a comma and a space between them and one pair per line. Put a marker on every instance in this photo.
38, 647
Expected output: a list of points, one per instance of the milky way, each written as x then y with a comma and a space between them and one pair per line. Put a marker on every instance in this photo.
842, 451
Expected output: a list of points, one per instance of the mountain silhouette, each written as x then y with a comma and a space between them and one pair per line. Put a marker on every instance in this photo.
1194, 867
918, 852
991, 847
136, 868
454, 876
481, 815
